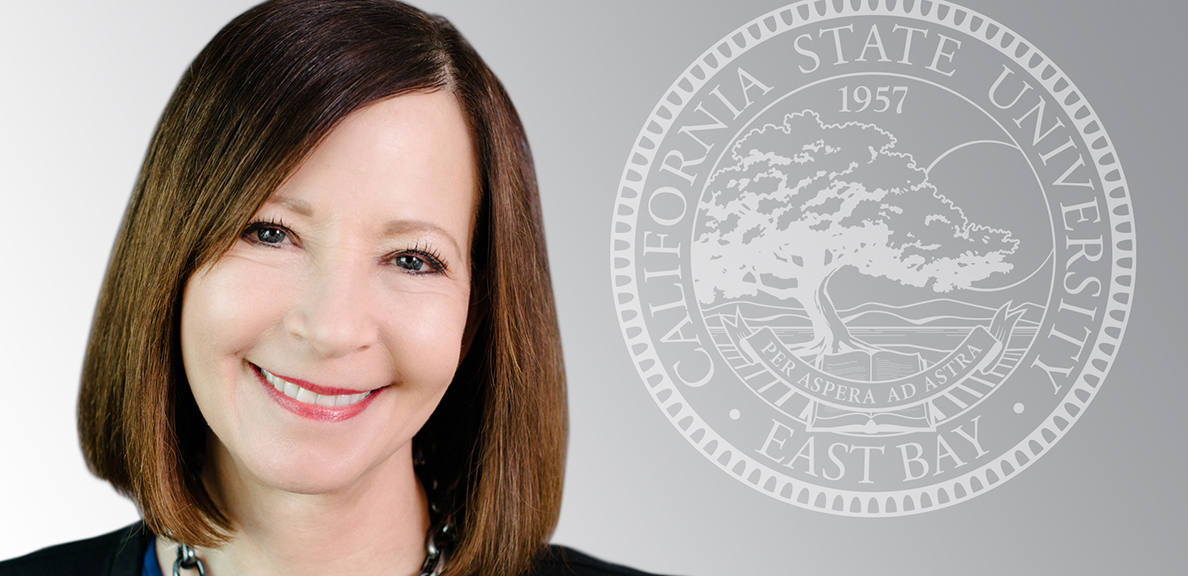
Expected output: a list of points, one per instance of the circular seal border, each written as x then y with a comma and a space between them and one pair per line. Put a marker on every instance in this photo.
894, 502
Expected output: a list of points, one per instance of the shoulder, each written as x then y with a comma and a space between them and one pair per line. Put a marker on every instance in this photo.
563, 561
113, 554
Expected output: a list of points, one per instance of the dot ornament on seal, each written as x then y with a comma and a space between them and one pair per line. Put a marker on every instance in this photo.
873, 258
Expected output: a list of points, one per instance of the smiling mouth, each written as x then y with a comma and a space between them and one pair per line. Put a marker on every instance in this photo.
306, 396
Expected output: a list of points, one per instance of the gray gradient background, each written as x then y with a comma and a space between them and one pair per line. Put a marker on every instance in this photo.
82, 84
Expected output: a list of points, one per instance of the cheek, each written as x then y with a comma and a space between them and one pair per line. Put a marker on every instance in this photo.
424, 333
225, 311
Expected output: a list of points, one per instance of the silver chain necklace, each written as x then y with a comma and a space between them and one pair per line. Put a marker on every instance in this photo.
437, 545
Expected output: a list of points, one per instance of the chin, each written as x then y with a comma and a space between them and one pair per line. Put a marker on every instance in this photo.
310, 468
311, 478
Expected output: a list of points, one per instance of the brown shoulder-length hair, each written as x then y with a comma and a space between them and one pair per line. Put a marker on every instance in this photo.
254, 103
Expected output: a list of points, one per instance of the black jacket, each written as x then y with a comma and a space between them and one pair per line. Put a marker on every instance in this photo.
121, 553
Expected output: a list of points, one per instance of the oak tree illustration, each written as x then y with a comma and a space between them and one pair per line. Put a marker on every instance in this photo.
806, 199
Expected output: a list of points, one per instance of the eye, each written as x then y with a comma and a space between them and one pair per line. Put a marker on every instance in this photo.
419, 262
268, 233
410, 262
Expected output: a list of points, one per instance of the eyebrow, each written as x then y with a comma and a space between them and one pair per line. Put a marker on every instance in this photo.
393, 228
299, 206
399, 227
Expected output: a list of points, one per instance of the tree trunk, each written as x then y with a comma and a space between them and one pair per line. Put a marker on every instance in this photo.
830, 335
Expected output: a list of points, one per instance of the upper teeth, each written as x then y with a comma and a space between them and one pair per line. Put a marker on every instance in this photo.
302, 395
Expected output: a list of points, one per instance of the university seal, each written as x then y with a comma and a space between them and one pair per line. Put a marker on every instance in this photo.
873, 257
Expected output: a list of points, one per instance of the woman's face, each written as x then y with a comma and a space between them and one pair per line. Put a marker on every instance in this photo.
323, 340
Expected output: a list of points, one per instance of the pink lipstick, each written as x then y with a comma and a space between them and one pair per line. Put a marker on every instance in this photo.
314, 402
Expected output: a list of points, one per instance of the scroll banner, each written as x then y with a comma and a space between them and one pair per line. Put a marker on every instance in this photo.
976, 353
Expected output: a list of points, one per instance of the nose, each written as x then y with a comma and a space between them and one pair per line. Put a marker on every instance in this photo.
334, 314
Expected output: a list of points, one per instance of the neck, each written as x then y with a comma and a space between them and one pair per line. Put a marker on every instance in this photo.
377, 525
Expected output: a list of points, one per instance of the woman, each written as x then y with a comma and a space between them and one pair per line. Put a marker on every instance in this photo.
326, 341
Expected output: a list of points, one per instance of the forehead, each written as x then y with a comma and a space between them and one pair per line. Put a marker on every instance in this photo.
412, 135
409, 157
